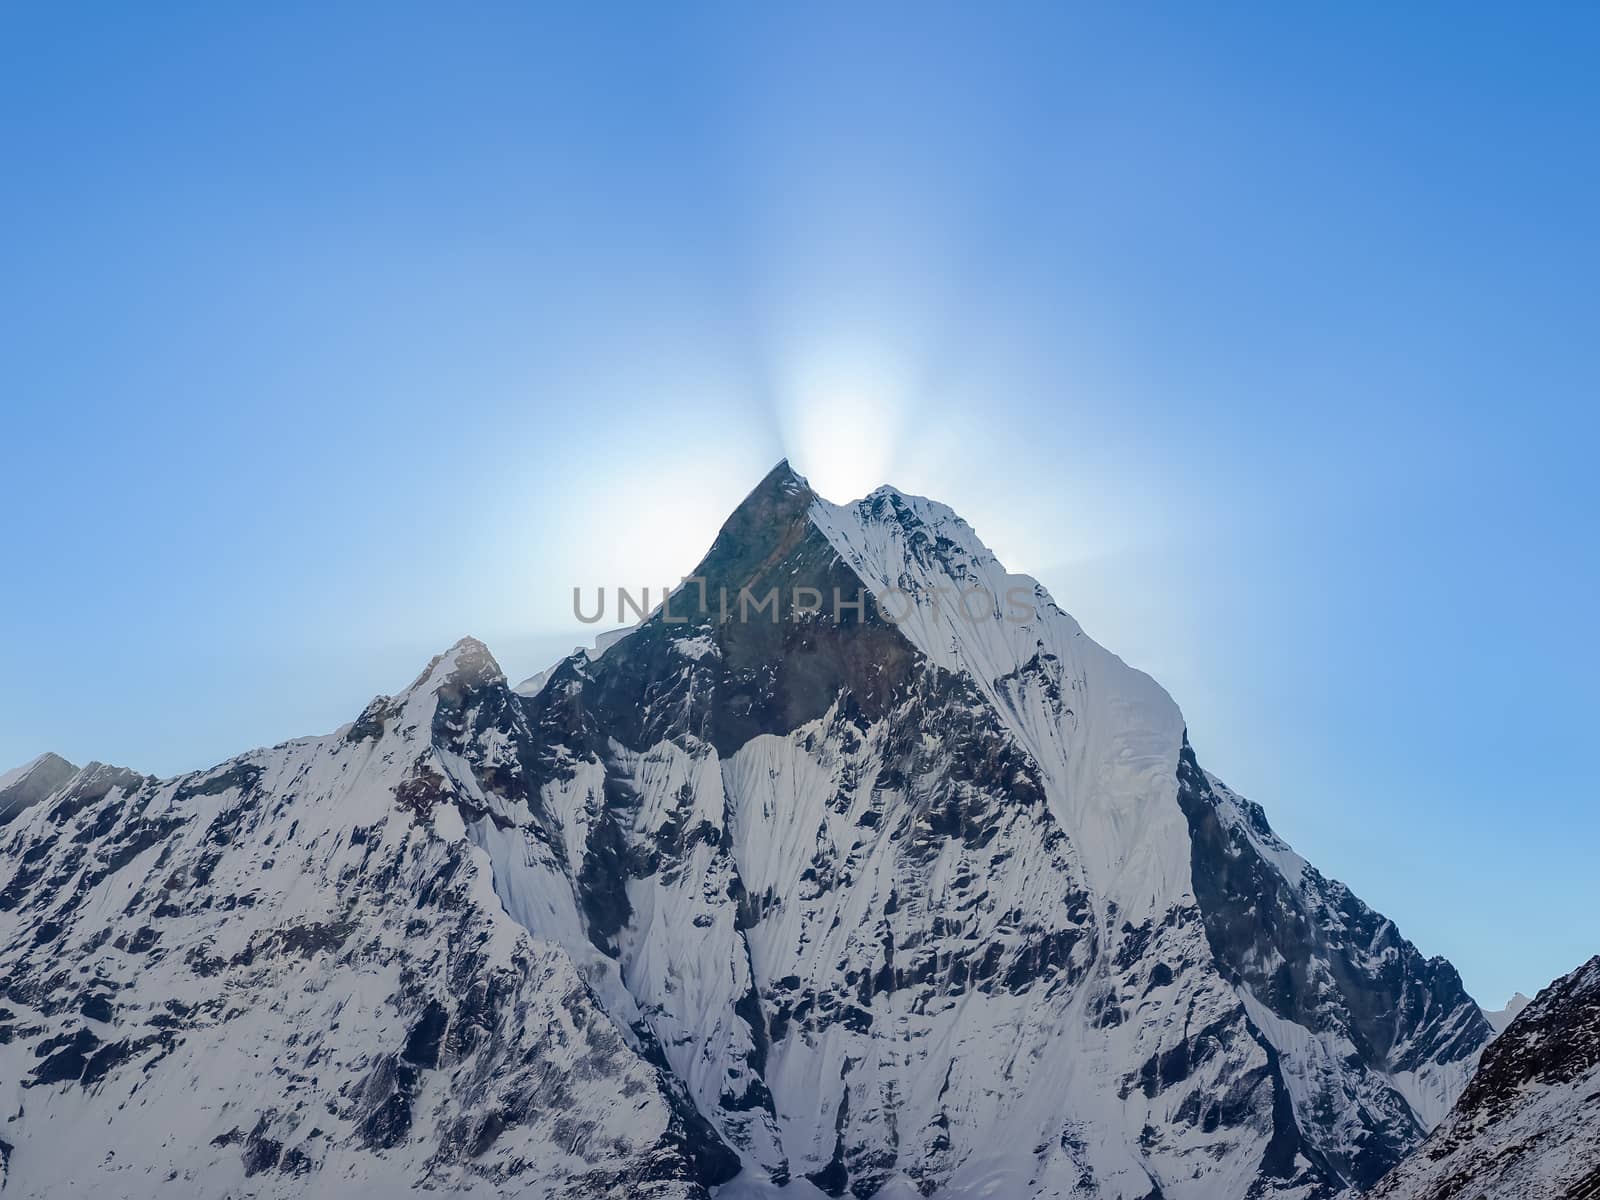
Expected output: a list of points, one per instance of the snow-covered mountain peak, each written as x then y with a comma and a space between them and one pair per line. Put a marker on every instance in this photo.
942, 585
468, 657
21, 787
933, 528
914, 512
1178, 867
468, 664
935, 900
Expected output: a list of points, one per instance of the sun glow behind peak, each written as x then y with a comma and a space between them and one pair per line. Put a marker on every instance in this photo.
841, 417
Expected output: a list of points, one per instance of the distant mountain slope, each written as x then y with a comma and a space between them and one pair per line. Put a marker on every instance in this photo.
30, 783
1528, 1125
924, 893
1500, 1018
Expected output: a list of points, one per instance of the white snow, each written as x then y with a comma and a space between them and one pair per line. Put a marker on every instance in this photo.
1499, 1018
696, 648
534, 684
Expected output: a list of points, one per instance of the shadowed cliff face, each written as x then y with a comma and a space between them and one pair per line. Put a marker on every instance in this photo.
769, 671
1315, 955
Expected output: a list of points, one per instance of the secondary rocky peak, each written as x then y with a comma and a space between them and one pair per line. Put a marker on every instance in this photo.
24, 786
468, 658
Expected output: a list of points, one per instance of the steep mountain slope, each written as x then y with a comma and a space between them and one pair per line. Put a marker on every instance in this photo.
1528, 1125
289, 976
889, 882
1004, 900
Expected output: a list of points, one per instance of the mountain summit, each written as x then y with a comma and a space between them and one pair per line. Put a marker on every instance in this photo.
31, 782
898, 884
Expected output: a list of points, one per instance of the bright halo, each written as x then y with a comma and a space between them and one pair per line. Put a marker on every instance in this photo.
842, 418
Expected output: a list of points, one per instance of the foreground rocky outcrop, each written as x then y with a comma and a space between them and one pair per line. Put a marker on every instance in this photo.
1528, 1125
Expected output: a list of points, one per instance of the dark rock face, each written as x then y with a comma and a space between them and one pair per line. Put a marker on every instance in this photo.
1555, 1043
1527, 1127
923, 903
1315, 955
773, 669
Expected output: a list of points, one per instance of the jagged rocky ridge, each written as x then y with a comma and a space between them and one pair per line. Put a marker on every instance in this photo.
939, 905
290, 975
1528, 1125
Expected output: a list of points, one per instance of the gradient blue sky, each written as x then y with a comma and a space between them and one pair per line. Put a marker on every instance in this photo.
1267, 341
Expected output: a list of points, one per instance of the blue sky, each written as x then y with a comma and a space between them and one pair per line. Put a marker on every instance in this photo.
1266, 341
